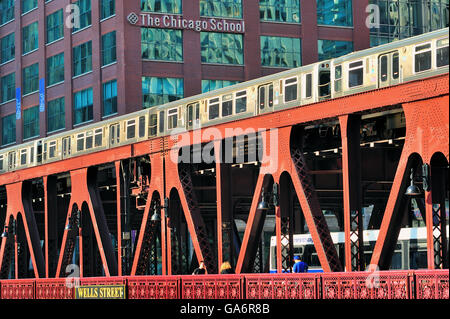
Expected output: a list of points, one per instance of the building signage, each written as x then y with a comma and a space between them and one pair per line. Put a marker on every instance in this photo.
179, 22
41, 95
100, 292
18, 103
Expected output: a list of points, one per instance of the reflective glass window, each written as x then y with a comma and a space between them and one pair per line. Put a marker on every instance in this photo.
8, 87
30, 79
280, 10
225, 8
30, 34
108, 8
162, 44
82, 58
329, 49
9, 129
161, 6
281, 52
28, 5
335, 13
83, 104
55, 26
31, 122
8, 48
211, 85
56, 115
6, 11
109, 90
85, 14
55, 69
222, 48
158, 91
109, 53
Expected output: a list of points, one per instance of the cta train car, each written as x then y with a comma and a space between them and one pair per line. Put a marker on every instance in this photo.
383, 66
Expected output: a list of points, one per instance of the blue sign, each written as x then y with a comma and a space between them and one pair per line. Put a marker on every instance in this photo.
18, 104
42, 95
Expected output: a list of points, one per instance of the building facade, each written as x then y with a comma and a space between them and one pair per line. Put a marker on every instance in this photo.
64, 66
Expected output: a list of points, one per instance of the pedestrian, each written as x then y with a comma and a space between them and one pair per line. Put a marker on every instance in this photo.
299, 265
201, 270
226, 268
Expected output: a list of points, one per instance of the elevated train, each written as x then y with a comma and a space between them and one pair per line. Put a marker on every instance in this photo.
383, 66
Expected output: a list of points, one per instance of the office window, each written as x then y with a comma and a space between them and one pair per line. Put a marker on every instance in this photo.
28, 5
31, 122
9, 129
30, 79
55, 69
82, 58
157, 91
85, 14
109, 54
8, 48
223, 48
226, 9
329, 49
162, 44
30, 37
8, 87
335, 13
161, 6
108, 8
6, 11
55, 26
280, 11
56, 115
83, 105
281, 52
211, 85
109, 98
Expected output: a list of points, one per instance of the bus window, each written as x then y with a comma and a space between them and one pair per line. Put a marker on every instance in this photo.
422, 58
442, 53
356, 74
241, 102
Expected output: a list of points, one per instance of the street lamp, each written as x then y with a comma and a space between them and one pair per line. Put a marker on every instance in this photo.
156, 217
413, 190
264, 204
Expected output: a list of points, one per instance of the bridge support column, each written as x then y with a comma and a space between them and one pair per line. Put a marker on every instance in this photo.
352, 188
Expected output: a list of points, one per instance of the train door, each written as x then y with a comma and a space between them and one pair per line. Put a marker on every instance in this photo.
193, 116
265, 98
114, 134
11, 160
324, 81
388, 69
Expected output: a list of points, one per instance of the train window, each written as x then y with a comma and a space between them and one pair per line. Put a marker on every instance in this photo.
270, 95
1, 162
66, 146
80, 142
23, 157
338, 78
395, 66
213, 108
422, 58
241, 102
356, 74
227, 105
161, 122
131, 129
384, 68
262, 97
308, 85
142, 126
172, 118
98, 138
52, 149
290, 89
11, 160
114, 134
442, 53
153, 127
89, 140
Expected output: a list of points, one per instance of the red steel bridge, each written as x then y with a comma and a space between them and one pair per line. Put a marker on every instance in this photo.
95, 211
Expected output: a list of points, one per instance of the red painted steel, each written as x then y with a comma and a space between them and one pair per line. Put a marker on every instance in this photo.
432, 284
367, 285
153, 287
51, 288
18, 289
282, 286
211, 287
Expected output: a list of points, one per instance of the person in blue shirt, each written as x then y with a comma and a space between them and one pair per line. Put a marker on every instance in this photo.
299, 265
